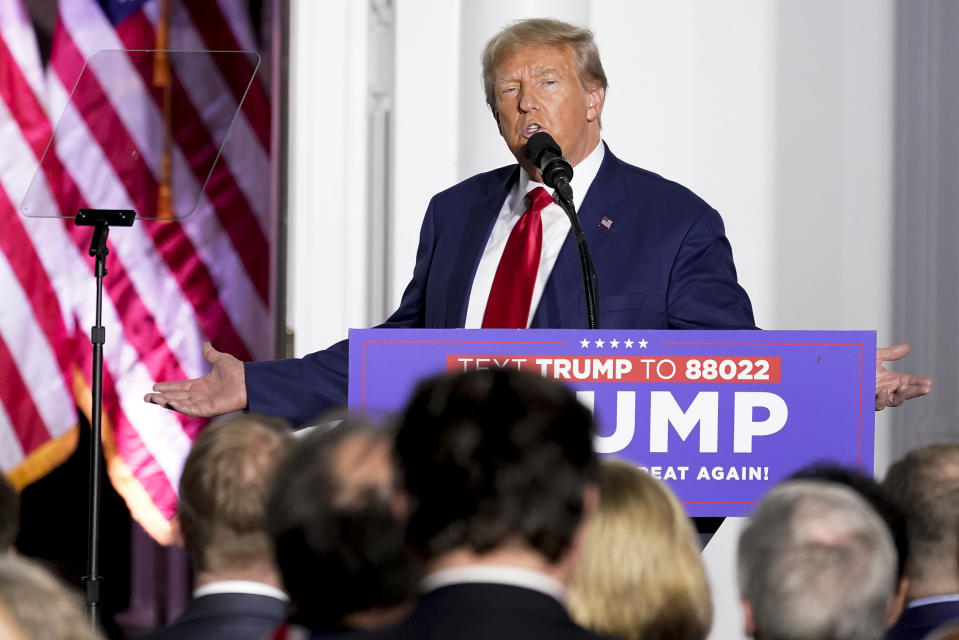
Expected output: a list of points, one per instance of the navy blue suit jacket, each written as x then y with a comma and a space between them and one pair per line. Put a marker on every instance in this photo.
916, 622
482, 612
663, 263
225, 616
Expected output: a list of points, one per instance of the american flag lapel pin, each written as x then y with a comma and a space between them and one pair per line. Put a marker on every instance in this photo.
606, 222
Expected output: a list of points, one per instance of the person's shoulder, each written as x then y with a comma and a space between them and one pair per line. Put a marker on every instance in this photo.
651, 187
480, 186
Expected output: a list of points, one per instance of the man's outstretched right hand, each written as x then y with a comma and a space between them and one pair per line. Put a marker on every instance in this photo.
220, 391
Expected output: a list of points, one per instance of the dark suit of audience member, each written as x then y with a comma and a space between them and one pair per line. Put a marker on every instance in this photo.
919, 619
339, 546
925, 485
499, 477
226, 616
222, 501
477, 611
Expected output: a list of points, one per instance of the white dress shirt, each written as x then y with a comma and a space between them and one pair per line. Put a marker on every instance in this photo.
555, 229
240, 586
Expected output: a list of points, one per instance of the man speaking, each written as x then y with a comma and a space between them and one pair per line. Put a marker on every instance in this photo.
496, 251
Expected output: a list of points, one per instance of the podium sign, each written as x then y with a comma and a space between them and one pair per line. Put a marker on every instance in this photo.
720, 416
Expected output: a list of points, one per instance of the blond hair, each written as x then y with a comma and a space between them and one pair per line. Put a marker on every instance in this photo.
641, 575
543, 31
38, 605
223, 489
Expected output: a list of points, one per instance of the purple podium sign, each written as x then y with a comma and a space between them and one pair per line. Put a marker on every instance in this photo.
720, 416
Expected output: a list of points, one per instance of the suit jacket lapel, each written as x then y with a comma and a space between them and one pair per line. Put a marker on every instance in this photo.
566, 280
478, 224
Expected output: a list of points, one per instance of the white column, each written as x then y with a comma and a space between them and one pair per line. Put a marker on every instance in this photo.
327, 261
426, 122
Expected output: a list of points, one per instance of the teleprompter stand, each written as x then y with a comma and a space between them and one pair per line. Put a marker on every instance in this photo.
101, 220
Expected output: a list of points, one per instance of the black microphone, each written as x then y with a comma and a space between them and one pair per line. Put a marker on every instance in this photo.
557, 172
548, 158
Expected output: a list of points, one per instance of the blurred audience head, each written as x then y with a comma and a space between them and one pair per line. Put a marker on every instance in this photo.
640, 575
338, 544
925, 485
223, 492
34, 605
815, 563
9, 515
496, 460
878, 498
949, 631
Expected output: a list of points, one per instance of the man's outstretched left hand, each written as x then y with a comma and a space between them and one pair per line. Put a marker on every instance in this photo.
893, 388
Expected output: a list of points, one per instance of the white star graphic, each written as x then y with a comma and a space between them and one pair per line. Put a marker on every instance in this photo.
643, 343
614, 343
599, 344
628, 343
584, 343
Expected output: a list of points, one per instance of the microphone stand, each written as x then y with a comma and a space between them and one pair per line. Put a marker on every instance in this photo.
564, 198
100, 220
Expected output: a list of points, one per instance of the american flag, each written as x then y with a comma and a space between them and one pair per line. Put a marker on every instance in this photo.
171, 285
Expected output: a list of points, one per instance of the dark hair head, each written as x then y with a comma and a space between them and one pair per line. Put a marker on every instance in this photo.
494, 456
337, 543
873, 493
9, 514
223, 491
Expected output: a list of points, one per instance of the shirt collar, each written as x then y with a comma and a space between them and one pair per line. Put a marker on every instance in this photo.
496, 574
583, 175
240, 586
921, 602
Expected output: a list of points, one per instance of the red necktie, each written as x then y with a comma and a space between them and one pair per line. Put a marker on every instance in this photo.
512, 291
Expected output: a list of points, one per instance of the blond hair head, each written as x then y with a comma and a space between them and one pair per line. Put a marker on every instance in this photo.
36, 605
640, 575
223, 489
543, 31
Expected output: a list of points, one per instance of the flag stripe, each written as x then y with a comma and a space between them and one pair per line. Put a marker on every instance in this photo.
11, 453
15, 397
16, 32
234, 14
217, 35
